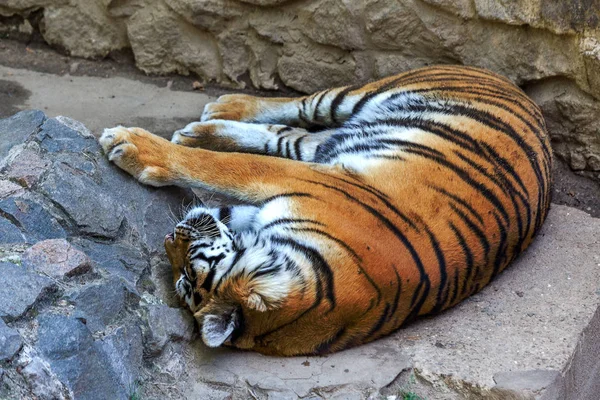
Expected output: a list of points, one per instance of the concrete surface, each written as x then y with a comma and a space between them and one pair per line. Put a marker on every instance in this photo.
105, 102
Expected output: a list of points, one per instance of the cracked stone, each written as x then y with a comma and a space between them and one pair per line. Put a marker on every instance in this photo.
57, 258
120, 259
124, 350
42, 383
76, 359
27, 166
168, 323
16, 129
55, 137
8, 188
20, 290
35, 222
101, 305
93, 210
10, 342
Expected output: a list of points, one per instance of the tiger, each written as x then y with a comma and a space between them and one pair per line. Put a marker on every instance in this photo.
361, 207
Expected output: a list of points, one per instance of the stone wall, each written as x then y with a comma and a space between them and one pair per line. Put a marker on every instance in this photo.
549, 47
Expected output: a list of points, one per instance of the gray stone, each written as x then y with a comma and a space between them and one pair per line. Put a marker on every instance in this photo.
120, 259
10, 342
103, 304
93, 210
57, 258
16, 129
8, 188
533, 381
168, 323
78, 362
34, 220
41, 381
20, 290
124, 350
9, 233
55, 136
27, 166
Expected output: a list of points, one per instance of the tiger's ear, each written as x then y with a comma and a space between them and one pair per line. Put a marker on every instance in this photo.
218, 323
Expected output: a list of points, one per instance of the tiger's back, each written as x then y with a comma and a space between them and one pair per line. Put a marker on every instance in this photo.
422, 188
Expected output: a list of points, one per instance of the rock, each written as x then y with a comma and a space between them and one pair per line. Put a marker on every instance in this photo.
56, 258
69, 348
26, 167
329, 66
20, 290
55, 137
32, 218
124, 350
84, 28
533, 381
41, 381
168, 323
9, 233
16, 129
8, 188
162, 44
121, 259
10, 342
336, 23
100, 305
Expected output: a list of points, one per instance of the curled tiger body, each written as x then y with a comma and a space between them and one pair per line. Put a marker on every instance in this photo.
367, 206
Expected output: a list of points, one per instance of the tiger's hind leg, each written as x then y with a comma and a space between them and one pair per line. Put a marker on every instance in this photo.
232, 136
325, 109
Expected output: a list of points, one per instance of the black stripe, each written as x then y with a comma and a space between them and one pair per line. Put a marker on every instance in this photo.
380, 322
325, 347
468, 257
336, 102
321, 96
225, 214
479, 234
285, 221
283, 130
424, 281
297, 147
441, 260
207, 284
321, 268
283, 195
236, 259
349, 249
459, 201
288, 154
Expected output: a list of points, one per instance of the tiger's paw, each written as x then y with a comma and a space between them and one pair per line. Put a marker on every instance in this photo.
139, 153
232, 107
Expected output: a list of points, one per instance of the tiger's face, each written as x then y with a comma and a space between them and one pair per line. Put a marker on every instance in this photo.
199, 250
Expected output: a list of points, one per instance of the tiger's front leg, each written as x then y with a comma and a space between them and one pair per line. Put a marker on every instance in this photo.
232, 136
157, 162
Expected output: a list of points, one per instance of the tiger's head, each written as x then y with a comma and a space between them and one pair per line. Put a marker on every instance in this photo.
216, 274
198, 248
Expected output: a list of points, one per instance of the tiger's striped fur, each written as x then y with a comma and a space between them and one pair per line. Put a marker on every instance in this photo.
383, 202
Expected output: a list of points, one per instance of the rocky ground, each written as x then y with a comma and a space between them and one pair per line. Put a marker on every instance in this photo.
87, 308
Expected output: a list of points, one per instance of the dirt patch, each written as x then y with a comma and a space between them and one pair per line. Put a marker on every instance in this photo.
12, 95
576, 191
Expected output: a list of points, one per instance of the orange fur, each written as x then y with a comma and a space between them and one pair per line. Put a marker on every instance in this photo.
387, 274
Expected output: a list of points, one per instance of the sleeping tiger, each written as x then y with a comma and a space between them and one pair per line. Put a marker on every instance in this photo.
368, 205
